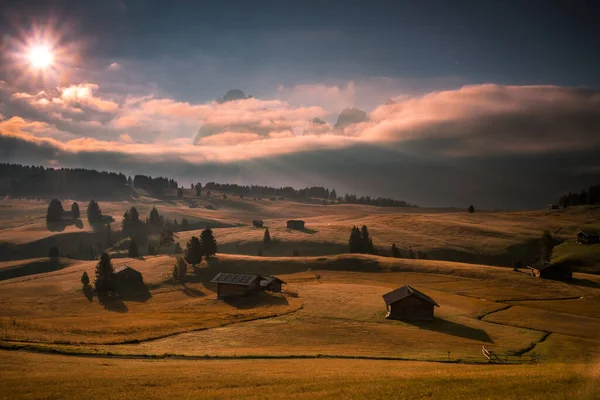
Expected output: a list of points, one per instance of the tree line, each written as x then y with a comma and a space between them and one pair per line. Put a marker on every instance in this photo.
37, 181
306, 193
589, 197
21, 180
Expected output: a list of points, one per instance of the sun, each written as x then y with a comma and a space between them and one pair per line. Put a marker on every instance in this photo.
40, 56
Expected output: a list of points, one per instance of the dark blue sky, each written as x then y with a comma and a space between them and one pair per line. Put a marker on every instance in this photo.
489, 99
198, 50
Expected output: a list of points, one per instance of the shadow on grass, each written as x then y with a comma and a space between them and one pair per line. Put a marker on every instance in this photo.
139, 293
113, 303
452, 328
584, 282
60, 226
255, 300
308, 231
191, 292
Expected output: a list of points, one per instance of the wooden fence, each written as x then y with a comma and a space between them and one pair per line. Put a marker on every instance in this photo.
494, 358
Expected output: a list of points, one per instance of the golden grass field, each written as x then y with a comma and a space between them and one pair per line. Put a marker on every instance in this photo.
331, 307
52, 376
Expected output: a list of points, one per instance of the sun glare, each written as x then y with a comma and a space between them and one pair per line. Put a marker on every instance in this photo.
40, 56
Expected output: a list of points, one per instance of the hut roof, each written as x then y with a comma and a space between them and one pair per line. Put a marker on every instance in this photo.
267, 279
589, 233
234, 279
404, 292
124, 268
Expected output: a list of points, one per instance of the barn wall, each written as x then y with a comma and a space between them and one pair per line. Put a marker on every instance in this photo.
226, 289
411, 307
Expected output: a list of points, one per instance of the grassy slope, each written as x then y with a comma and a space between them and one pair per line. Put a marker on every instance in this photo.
342, 314
482, 237
34, 376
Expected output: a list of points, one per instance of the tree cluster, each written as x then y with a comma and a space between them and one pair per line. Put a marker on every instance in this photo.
589, 197
105, 275
360, 241
64, 182
204, 246
154, 185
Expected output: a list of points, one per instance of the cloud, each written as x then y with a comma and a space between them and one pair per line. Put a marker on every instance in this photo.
473, 121
114, 66
480, 120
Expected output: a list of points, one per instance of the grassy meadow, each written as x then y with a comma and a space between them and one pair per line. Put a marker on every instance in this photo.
176, 339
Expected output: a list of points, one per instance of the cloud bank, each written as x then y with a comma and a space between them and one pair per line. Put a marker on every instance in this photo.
474, 122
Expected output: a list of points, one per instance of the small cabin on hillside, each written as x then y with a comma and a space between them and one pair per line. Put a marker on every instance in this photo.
588, 237
128, 278
407, 303
547, 270
295, 224
271, 283
258, 223
231, 285
552, 207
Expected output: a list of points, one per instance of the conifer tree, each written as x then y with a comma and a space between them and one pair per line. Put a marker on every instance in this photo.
471, 209
108, 235
85, 279
547, 246
209, 243
181, 267
267, 238
55, 211
194, 251
75, 213
94, 214
355, 241
133, 249
177, 248
179, 192
395, 251
104, 282
198, 189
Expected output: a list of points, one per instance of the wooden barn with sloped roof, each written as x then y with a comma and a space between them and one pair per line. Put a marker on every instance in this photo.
407, 303
229, 285
271, 283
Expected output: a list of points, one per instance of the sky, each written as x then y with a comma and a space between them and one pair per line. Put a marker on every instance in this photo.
439, 103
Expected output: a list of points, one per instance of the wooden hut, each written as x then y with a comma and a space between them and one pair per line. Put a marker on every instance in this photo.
547, 270
128, 280
407, 303
588, 237
258, 223
271, 283
231, 285
295, 224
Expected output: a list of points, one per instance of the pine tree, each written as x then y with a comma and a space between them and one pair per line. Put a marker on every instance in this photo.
209, 243
94, 214
177, 248
267, 238
151, 251
154, 219
208, 194
198, 189
55, 211
179, 192
166, 238
547, 246
355, 243
471, 209
85, 279
367, 242
184, 224
181, 266
133, 249
411, 253
75, 210
395, 251
194, 251
104, 282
